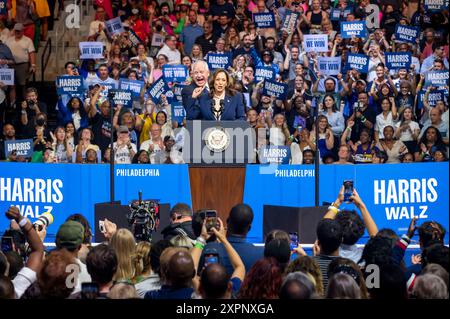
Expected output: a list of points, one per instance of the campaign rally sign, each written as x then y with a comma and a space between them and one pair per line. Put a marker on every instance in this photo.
290, 21
359, 62
175, 73
400, 60
177, 88
315, 42
135, 40
178, 112
114, 26
69, 84
264, 73
274, 154
122, 97
353, 29
22, 147
435, 5
7, 76
134, 86
91, 50
2, 6
277, 89
157, 40
264, 20
329, 65
406, 33
158, 88
219, 61
436, 78
433, 97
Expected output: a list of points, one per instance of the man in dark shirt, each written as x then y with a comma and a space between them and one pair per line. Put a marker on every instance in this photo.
238, 225
9, 134
181, 222
30, 109
362, 117
100, 121
222, 8
245, 48
208, 40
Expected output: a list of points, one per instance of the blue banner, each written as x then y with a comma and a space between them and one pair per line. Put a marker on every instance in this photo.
359, 62
406, 33
114, 26
393, 195
158, 88
178, 112
264, 20
271, 154
7, 76
329, 65
435, 5
433, 97
264, 73
134, 86
315, 42
353, 29
91, 50
398, 60
71, 85
22, 147
122, 97
176, 89
277, 89
290, 21
219, 61
335, 14
2, 6
66, 189
175, 73
436, 78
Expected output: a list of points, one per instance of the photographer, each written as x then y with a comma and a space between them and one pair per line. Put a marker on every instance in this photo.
181, 222
31, 108
28, 274
363, 116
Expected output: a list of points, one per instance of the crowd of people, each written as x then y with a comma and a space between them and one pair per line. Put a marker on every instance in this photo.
200, 258
382, 116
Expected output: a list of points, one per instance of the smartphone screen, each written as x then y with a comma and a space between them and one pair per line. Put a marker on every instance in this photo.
89, 290
101, 226
348, 190
293, 240
211, 219
7, 244
211, 259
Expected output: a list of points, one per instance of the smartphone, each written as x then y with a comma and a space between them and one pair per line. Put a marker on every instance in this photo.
7, 244
89, 290
299, 128
348, 190
101, 226
211, 258
211, 219
293, 240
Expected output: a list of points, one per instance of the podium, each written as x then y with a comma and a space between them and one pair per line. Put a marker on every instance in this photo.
217, 153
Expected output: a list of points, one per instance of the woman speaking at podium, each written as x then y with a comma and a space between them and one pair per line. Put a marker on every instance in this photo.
221, 103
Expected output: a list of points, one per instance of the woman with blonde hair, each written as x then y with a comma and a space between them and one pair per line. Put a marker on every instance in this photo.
279, 131
310, 267
232, 40
239, 65
124, 244
196, 53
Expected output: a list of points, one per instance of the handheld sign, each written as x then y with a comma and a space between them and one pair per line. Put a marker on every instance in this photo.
290, 21
436, 78
264, 20
69, 85
404, 33
274, 154
395, 61
329, 65
277, 89
135, 87
335, 14
22, 147
91, 50
176, 89
135, 40
219, 61
157, 40
359, 62
175, 73
315, 42
178, 112
264, 73
433, 97
353, 29
435, 5
114, 26
7, 76
121, 97
158, 88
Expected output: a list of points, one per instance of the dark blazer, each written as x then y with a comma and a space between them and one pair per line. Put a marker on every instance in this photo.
189, 102
233, 108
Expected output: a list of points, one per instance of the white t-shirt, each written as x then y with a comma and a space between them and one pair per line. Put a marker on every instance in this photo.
24, 278
382, 122
122, 154
174, 56
21, 48
406, 136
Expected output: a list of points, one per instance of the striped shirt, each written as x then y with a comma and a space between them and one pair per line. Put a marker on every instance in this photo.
323, 261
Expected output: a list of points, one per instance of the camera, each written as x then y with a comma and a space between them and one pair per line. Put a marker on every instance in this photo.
46, 219
143, 218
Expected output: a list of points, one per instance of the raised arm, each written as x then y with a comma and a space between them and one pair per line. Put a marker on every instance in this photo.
372, 228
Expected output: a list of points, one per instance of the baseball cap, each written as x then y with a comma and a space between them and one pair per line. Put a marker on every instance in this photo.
122, 129
362, 81
70, 235
18, 27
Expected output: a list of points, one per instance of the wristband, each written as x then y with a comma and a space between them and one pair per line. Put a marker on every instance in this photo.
201, 241
198, 245
349, 129
333, 209
23, 222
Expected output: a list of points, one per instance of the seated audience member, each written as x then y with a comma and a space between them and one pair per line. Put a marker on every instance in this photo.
343, 286
180, 222
394, 149
429, 286
122, 291
169, 155
308, 266
297, 285
347, 266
